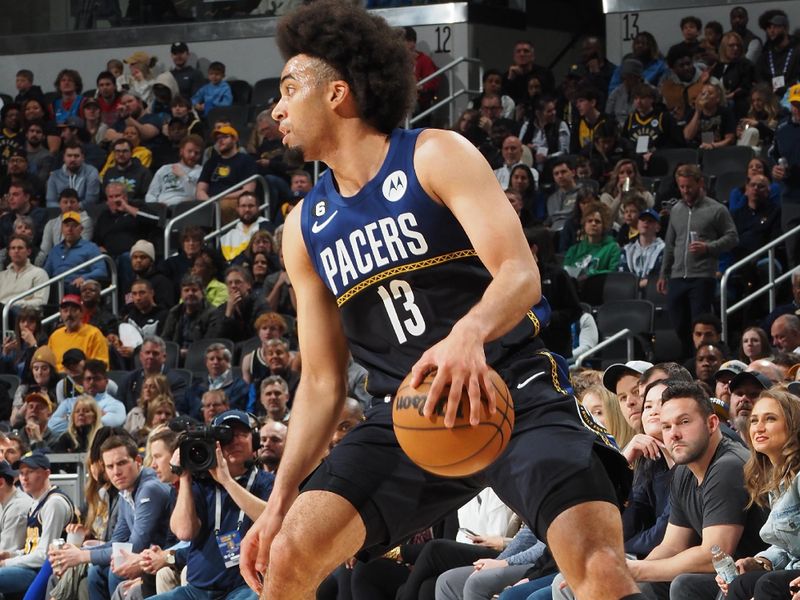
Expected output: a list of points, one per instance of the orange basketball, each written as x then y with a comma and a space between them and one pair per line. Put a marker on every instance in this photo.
459, 451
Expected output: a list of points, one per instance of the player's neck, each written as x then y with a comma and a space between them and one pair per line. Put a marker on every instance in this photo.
357, 158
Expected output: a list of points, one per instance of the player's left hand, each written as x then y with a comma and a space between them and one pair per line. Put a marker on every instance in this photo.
460, 363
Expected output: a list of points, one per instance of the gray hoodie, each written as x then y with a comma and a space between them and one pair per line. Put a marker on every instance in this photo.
86, 182
713, 224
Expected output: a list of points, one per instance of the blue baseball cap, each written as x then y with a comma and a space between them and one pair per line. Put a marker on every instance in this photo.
6, 470
650, 212
231, 418
34, 460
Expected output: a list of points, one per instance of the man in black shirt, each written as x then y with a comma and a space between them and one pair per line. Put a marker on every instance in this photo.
121, 224
128, 170
189, 78
226, 167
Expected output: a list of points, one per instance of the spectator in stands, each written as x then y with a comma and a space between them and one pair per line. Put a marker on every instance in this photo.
71, 384
95, 384
14, 448
25, 87
80, 427
216, 93
220, 376
20, 275
189, 78
722, 379
690, 30
120, 224
177, 182
69, 101
40, 160
237, 487
132, 112
213, 403
778, 63
95, 128
205, 267
623, 380
13, 516
786, 153
153, 386
597, 252
19, 205
273, 398
37, 376
711, 123
512, 156
73, 130
643, 255
94, 312
35, 111
153, 358
587, 101
107, 97
620, 102
74, 333
754, 344
623, 181
544, 133
650, 122
190, 319
142, 520
235, 240
143, 257
67, 202
597, 69
756, 167
273, 439
190, 245
708, 360
561, 202
262, 242
38, 407
279, 292
17, 349
645, 49
74, 174
785, 333
226, 167
493, 84
127, 170
682, 84
48, 516
690, 257
715, 513
522, 68
632, 206
234, 319
279, 360
735, 72
771, 477
423, 67
745, 388
143, 313
739, 19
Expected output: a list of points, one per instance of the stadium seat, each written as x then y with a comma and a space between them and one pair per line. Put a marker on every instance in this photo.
636, 315
265, 90
727, 159
241, 91
663, 162
236, 114
12, 381
726, 182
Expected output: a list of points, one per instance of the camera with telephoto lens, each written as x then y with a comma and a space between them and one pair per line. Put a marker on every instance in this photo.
198, 443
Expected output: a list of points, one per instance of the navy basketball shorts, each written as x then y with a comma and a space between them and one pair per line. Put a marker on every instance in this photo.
556, 458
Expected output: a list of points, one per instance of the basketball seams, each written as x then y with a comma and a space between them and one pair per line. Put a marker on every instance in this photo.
497, 439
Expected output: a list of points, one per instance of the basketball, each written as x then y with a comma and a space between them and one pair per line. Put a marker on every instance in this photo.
462, 450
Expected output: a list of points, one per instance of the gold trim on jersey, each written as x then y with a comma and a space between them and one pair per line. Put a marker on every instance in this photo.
553, 371
537, 326
428, 262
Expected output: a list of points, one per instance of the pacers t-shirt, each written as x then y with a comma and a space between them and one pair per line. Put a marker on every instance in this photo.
221, 173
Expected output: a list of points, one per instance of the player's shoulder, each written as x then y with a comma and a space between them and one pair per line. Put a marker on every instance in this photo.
435, 140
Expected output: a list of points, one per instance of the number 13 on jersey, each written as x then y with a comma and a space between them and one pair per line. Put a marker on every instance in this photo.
412, 322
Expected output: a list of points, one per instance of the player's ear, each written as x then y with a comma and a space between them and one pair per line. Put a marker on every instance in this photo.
338, 91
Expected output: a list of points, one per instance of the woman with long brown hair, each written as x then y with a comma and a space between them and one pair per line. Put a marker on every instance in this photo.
771, 479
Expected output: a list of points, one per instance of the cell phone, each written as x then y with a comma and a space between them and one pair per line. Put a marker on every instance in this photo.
10, 335
469, 531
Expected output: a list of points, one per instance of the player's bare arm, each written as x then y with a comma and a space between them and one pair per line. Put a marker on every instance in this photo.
317, 403
453, 172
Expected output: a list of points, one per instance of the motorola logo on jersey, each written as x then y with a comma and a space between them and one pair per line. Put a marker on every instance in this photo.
369, 249
394, 186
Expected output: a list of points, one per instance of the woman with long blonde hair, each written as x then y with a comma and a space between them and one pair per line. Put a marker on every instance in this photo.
152, 387
84, 422
771, 479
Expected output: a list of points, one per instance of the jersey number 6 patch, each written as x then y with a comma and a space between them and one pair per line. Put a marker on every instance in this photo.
414, 324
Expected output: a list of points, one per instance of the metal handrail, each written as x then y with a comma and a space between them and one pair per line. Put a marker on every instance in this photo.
773, 282
60, 279
447, 70
622, 333
217, 213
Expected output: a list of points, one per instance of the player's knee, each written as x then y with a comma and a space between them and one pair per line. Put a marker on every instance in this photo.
601, 562
287, 557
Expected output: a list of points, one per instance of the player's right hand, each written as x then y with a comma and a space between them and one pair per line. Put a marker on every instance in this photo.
255, 548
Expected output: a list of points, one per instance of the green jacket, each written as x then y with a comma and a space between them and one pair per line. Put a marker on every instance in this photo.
585, 258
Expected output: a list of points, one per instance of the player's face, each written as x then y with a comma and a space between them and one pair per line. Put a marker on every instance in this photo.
301, 111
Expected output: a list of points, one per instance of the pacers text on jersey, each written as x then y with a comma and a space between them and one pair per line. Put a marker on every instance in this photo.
370, 248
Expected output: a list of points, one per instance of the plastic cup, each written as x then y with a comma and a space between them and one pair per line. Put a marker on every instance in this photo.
116, 551
75, 538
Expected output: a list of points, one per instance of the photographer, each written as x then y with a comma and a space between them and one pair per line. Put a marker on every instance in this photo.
214, 514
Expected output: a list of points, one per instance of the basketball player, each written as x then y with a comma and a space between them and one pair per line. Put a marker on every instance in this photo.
408, 252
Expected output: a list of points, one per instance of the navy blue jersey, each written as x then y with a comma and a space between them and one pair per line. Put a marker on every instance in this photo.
400, 266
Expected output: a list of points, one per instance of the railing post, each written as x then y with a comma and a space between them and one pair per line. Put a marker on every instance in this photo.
629, 347
450, 104
723, 305
771, 268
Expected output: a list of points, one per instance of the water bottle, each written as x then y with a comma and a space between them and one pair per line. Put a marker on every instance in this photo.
723, 564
